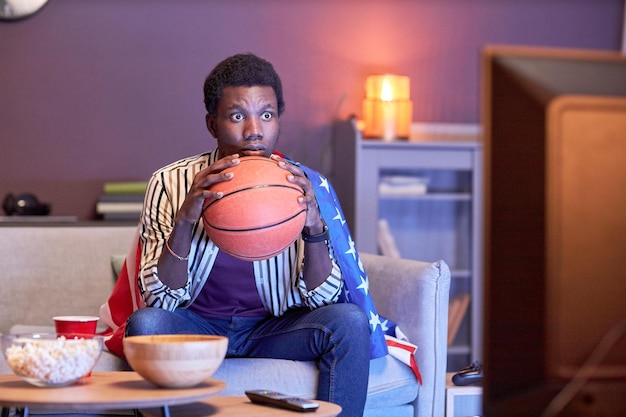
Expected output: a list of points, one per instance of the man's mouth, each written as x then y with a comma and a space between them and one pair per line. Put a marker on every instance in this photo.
253, 151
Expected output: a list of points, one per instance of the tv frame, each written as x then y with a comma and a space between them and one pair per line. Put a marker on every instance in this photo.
522, 88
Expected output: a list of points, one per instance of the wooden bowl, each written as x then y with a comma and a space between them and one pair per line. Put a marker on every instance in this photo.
176, 360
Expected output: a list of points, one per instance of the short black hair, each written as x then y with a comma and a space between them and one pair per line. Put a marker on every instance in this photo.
241, 70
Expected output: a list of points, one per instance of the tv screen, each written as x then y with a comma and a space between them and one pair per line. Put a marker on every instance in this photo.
555, 232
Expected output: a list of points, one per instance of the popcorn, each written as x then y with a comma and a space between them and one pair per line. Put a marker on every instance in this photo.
56, 361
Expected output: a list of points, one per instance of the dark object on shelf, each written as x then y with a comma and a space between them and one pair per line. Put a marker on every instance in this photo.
24, 204
472, 375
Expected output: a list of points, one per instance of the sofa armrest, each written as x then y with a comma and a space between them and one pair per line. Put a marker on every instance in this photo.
415, 295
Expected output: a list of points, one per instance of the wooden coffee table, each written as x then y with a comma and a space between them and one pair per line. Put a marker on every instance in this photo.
102, 391
239, 407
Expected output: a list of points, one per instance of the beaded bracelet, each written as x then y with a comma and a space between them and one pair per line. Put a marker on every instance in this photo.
180, 258
321, 237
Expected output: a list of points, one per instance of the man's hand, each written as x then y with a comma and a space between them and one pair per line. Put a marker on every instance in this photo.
191, 210
313, 224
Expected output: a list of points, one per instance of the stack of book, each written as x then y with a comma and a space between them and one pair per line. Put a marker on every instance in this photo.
121, 201
402, 185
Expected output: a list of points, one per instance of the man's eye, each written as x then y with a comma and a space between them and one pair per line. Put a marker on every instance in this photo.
266, 115
236, 117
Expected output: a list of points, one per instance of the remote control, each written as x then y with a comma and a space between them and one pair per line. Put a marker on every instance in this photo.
267, 397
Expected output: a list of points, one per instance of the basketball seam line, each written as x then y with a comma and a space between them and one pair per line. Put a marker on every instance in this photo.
254, 187
257, 228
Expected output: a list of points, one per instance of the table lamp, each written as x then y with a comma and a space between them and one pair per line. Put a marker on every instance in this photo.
387, 108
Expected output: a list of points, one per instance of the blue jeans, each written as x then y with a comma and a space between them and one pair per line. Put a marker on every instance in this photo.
336, 336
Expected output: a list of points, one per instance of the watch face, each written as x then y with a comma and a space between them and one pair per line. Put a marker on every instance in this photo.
19, 9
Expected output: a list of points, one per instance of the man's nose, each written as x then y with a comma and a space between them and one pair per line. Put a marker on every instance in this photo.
254, 129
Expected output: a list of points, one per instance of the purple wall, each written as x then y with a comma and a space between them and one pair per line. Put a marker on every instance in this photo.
100, 90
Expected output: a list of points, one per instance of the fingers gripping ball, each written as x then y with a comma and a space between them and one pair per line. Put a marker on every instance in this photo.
259, 215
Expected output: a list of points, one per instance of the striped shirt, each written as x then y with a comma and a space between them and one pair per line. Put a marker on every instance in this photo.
279, 280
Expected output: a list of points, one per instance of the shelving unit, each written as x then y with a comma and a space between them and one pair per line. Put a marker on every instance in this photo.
420, 199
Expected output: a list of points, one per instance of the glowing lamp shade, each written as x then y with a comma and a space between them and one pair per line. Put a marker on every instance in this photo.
387, 108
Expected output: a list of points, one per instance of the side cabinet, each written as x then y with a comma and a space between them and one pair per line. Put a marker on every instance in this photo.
420, 199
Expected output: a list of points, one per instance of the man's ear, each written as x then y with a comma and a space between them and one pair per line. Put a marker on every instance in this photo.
211, 125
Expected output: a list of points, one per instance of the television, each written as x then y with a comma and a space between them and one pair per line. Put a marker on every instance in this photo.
555, 232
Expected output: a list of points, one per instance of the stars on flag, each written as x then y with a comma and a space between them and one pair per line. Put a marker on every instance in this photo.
324, 183
339, 217
364, 286
384, 325
361, 267
375, 321
352, 249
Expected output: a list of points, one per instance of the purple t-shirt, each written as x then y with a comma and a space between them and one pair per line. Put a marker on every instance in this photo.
230, 290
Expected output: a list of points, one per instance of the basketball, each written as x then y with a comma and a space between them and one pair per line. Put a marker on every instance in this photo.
259, 215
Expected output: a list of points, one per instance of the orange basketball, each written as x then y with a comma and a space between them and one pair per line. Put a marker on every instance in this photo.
259, 215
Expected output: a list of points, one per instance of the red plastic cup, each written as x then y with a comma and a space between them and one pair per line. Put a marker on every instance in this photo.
75, 326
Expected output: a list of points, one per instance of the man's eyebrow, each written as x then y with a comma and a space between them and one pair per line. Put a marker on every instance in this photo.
236, 107
268, 106
239, 107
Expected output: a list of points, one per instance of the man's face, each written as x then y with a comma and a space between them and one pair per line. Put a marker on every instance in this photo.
247, 121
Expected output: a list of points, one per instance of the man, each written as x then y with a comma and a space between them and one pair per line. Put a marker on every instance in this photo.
190, 286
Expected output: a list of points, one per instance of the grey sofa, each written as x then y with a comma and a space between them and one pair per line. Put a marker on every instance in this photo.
52, 270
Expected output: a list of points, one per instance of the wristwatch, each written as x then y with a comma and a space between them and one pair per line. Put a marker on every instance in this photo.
321, 237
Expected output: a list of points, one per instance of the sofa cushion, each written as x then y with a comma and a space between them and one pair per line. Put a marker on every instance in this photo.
57, 271
117, 262
391, 382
